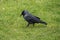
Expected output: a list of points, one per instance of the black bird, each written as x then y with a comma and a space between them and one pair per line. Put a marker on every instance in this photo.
31, 19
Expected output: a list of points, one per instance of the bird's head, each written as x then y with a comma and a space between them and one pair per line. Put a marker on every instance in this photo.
23, 12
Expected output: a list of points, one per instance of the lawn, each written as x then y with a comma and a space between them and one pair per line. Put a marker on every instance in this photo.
13, 26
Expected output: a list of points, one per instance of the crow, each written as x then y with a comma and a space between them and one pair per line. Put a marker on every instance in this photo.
31, 19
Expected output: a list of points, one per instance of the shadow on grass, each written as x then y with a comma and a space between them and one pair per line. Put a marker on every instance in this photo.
35, 26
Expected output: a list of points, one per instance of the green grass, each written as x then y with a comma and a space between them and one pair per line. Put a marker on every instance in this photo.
13, 27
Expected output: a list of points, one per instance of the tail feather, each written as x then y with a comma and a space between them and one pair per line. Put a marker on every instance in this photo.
43, 22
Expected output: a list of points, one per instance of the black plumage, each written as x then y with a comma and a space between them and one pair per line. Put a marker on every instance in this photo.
31, 19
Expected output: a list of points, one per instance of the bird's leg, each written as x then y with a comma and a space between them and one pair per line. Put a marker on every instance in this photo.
27, 24
33, 24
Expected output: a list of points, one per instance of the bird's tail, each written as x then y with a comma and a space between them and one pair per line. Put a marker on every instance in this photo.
43, 22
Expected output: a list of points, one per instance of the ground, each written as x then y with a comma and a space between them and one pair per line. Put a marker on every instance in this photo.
13, 26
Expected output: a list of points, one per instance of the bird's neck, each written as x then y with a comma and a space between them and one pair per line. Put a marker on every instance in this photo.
26, 15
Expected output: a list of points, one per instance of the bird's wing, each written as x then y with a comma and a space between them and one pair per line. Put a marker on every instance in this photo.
37, 17
31, 18
34, 19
